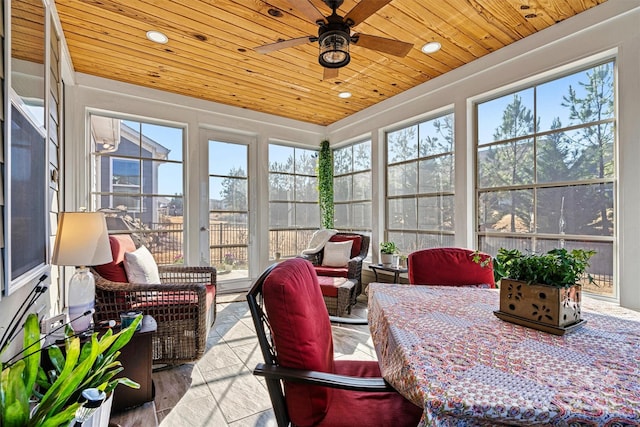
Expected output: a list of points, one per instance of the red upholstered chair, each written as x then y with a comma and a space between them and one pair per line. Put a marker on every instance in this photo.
353, 269
183, 304
306, 385
449, 266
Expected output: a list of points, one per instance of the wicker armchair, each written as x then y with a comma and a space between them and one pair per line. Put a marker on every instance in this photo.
353, 270
183, 304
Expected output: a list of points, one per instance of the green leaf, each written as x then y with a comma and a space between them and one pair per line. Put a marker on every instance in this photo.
56, 357
32, 343
15, 398
124, 336
69, 379
62, 418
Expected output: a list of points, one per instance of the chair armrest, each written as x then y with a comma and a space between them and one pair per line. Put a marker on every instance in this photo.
349, 320
186, 274
344, 382
107, 285
312, 258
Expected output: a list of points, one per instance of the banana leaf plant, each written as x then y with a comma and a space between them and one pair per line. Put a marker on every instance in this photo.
31, 397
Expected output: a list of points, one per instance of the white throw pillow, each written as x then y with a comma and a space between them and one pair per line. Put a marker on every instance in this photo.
337, 254
141, 267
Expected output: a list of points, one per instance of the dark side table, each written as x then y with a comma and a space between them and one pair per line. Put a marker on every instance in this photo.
137, 360
395, 270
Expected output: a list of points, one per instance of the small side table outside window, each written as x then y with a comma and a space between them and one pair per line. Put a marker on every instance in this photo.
395, 270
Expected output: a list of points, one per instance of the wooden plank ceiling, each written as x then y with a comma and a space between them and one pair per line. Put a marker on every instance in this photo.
210, 52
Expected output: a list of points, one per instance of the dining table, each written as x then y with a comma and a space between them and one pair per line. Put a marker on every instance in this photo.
443, 348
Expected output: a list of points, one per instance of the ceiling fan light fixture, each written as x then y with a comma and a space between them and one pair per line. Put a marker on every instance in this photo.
334, 49
431, 47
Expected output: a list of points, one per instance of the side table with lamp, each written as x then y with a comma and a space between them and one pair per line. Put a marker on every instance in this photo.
82, 240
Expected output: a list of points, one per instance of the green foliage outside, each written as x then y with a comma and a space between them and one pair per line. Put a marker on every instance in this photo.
561, 154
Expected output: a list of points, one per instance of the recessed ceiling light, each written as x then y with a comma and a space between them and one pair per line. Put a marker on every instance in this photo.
344, 95
431, 47
157, 37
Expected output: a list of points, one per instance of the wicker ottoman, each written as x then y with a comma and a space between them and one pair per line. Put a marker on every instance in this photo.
337, 293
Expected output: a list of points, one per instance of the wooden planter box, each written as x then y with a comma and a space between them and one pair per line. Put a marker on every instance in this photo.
543, 307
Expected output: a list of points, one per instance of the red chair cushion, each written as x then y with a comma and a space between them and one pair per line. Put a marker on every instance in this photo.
172, 305
114, 270
301, 334
329, 285
355, 247
448, 266
211, 295
332, 271
355, 408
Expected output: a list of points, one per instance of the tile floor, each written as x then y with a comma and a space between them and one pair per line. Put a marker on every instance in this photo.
220, 390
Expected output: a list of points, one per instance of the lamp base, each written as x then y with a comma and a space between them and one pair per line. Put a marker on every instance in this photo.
82, 295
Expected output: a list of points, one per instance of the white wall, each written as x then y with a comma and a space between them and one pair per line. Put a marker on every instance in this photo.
608, 28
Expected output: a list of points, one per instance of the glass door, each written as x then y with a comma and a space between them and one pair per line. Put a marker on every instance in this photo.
229, 230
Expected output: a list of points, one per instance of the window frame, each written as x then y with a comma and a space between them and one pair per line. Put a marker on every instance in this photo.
145, 235
445, 237
351, 174
302, 234
535, 185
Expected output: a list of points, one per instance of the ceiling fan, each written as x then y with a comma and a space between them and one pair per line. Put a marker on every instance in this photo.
335, 36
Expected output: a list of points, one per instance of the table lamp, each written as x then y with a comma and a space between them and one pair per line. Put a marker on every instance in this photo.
82, 240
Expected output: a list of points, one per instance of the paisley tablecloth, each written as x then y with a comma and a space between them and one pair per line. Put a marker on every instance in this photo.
443, 349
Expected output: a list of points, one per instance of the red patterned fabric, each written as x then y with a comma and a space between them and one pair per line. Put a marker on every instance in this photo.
114, 270
355, 247
449, 266
329, 285
302, 336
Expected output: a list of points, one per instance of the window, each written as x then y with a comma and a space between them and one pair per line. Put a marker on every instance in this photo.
546, 169
420, 185
293, 199
27, 202
137, 181
125, 179
352, 187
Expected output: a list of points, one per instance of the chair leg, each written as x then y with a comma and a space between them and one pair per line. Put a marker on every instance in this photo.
277, 401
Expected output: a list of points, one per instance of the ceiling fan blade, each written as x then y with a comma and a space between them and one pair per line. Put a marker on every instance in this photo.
363, 10
272, 47
384, 45
307, 8
330, 73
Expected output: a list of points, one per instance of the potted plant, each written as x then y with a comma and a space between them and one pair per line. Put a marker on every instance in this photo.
33, 396
541, 290
229, 261
387, 251
402, 261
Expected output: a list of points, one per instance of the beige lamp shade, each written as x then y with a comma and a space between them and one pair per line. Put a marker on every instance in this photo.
82, 240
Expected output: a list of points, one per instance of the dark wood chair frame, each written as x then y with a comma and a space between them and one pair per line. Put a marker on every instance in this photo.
275, 374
